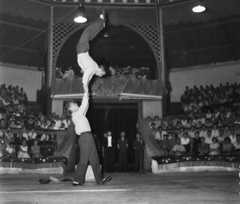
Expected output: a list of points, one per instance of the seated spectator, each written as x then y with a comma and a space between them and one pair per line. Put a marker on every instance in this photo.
184, 121
178, 149
191, 133
164, 122
18, 140
209, 137
52, 136
14, 125
208, 114
32, 135
44, 125
214, 147
57, 122
193, 147
172, 142
179, 125
69, 74
8, 137
66, 122
219, 123
203, 148
24, 132
159, 134
237, 128
227, 132
2, 149
203, 132
53, 126
23, 150
62, 126
185, 142
164, 144
10, 150
45, 136
30, 123
197, 138
182, 131
236, 145
215, 132
208, 123
227, 147
35, 149
233, 136
221, 136
2, 123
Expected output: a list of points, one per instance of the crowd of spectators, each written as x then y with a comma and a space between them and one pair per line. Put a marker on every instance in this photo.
19, 126
195, 98
210, 124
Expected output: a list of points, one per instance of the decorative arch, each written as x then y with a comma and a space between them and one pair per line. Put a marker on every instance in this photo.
62, 31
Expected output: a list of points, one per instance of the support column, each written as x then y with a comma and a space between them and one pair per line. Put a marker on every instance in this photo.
50, 62
162, 72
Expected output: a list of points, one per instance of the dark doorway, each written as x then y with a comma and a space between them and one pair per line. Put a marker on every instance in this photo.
115, 118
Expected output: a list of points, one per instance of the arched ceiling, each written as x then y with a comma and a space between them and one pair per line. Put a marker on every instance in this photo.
106, 48
191, 39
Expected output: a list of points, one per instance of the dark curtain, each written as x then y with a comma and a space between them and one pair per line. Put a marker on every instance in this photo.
115, 118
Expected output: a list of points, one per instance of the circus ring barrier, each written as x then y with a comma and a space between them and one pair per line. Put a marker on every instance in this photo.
195, 163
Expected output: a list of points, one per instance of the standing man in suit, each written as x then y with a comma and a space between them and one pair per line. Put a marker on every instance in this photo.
109, 152
87, 64
122, 145
139, 146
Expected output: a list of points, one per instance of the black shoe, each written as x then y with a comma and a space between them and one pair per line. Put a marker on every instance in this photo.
105, 180
77, 184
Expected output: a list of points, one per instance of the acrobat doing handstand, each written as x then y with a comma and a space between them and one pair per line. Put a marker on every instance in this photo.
87, 64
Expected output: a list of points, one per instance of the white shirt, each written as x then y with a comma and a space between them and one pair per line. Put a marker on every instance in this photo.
32, 135
185, 141
191, 134
109, 141
25, 135
159, 136
236, 145
233, 138
44, 137
203, 133
58, 123
79, 117
215, 133
208, 140
84, 60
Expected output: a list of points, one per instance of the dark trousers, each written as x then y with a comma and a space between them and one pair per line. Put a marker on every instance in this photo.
138, 160
109, 159
123, 160
88, 34
88, 153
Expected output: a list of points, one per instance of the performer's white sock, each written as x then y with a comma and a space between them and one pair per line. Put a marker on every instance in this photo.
102, 16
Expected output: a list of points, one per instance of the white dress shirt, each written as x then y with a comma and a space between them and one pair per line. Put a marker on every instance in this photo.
203, 133
32, 135
185, 141
79, 117
109, 141
159, 136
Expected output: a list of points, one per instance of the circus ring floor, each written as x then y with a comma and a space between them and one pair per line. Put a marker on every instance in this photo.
142, 188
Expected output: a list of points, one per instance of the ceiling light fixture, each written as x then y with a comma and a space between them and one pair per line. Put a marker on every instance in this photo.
199, 7
80, 16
